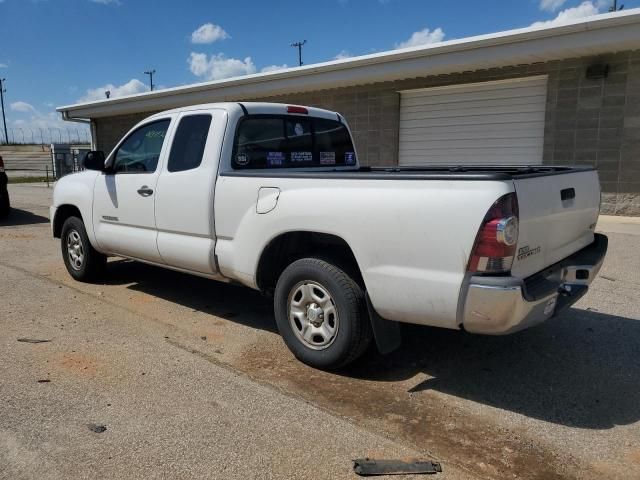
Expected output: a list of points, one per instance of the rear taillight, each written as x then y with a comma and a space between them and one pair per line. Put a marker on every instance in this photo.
497, 238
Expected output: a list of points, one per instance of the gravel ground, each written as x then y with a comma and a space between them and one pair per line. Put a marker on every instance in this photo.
192, 381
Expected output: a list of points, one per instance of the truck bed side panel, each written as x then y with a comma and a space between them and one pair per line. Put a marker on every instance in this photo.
412, 239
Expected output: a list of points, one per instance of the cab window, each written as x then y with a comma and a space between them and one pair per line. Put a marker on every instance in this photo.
189, 142
140, 152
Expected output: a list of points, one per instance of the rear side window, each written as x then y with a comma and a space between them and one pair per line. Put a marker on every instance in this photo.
188, 143
278, 141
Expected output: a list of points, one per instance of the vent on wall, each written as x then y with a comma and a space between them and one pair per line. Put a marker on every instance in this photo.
597, 71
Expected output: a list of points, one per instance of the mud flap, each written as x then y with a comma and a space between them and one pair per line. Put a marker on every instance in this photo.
386, 332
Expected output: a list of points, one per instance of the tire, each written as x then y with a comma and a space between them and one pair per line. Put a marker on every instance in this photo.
325, 333
83, 262
5, 204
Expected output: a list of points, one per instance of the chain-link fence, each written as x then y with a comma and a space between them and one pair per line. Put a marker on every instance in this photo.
43, 162
45, 136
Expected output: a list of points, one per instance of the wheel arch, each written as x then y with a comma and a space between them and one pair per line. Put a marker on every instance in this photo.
63, 212
288, 247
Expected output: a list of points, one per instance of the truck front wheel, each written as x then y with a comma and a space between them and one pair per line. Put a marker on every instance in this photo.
5, 204
83, 262
321, 314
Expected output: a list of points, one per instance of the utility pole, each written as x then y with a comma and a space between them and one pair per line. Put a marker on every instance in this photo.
299, 46
4, 120
615, 8
150, 73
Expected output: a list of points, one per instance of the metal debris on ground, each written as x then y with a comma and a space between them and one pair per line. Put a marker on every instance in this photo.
366, 467
44, 380
32, 340
97, 428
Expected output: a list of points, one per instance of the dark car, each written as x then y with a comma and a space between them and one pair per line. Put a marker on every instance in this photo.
5, 205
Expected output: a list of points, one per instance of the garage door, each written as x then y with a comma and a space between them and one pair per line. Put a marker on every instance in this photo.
481, 123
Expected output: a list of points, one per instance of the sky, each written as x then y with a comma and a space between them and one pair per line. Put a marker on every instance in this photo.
59, 52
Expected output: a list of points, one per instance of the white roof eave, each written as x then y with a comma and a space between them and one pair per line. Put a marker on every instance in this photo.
592, 36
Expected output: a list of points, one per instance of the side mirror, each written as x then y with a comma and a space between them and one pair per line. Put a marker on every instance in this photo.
94, 160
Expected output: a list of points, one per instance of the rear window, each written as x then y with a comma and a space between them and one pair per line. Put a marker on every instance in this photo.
279, 141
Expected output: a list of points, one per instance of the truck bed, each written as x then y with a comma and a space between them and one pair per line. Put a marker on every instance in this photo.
479, 172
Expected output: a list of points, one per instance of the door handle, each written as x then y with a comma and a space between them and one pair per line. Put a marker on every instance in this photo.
145, 191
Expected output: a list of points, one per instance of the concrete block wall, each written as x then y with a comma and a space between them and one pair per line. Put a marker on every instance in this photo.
597, 122
594, 122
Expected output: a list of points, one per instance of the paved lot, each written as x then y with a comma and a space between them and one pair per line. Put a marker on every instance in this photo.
191, 380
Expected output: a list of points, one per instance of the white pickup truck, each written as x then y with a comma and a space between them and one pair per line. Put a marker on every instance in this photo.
272, 197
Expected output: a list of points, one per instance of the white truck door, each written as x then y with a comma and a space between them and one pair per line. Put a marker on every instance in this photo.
184, 203
124, 198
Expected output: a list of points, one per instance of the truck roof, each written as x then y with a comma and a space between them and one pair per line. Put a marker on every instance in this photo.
256, 108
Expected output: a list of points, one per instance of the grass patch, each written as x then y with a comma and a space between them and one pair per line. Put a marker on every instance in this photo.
29, 179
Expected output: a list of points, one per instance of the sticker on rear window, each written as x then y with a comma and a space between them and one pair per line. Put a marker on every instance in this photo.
275, 159
327, 158
242, 159
350, 158
299, 157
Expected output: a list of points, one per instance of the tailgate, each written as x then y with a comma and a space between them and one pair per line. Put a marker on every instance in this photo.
558, 215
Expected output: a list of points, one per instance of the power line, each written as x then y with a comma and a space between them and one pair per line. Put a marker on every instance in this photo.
299, 46
150, 73
4, 120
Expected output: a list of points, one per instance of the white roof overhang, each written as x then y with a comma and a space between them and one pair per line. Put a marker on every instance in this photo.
591, 36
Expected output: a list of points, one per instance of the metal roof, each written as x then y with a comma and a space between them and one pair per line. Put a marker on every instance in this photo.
590, 36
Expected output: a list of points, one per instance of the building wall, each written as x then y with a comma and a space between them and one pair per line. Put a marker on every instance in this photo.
594, 122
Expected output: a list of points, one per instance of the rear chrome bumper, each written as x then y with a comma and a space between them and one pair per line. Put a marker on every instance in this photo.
503, 305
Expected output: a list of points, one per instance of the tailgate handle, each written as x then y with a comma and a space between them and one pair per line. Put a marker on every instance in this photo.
568, 194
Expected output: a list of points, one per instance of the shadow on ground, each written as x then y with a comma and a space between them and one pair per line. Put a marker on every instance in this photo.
231, 302
581, 369
18, 216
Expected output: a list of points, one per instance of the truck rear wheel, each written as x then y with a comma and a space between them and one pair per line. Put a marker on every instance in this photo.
321, 314
83, 262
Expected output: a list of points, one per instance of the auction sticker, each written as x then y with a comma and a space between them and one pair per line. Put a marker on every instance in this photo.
350, 158
275, 159
327, 158
242, 159
299, 157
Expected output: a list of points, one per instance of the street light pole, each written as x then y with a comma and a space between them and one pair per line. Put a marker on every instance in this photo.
299, 47
150, 73
615, 8
4, 120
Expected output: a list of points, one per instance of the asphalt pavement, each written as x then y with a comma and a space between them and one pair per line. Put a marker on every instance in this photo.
191, 380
